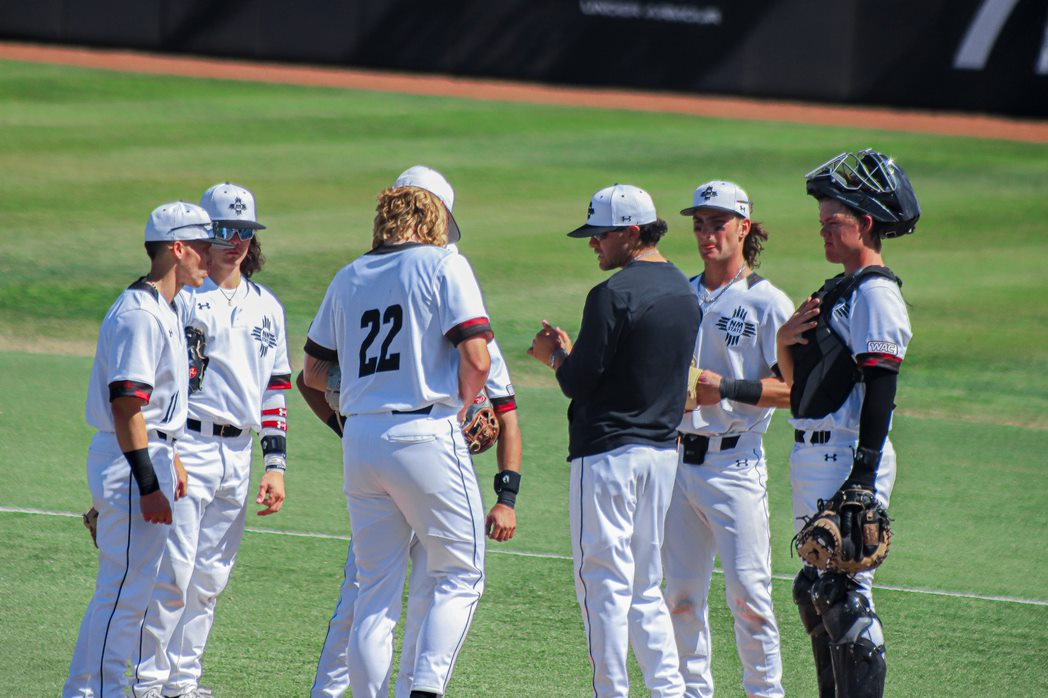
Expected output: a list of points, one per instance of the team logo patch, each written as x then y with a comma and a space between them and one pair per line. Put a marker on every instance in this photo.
890, 348
708, 193
264, 336
736, 327
843, 309
238, 207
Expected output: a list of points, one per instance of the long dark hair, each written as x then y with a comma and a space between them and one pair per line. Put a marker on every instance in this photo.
753, 245
254, 259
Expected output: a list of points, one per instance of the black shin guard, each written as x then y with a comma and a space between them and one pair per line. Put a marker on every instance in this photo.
820, 639
856, 637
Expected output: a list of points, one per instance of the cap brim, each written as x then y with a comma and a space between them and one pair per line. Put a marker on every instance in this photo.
690, 211
244, 225
588, 231
454, 234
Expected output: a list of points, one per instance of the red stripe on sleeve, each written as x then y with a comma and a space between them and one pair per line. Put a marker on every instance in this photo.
878, 359
274, 424
504, 404
278, 411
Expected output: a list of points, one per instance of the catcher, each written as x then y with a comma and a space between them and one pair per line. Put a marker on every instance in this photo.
840, 352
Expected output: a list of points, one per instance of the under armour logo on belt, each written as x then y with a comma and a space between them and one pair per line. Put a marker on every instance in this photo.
830, 456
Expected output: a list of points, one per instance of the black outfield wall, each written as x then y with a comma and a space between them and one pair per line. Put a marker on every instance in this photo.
969, 55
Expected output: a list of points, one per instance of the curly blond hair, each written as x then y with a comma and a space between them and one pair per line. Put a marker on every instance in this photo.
409, 213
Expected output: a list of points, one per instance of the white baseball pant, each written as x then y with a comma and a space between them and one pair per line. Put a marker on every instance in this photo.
721, 508
198, 559
404, 474
817, 471
332, 677
618, 508
129, 552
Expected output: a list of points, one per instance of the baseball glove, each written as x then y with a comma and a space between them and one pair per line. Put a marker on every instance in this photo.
851, 533
334, 387
691, 401
480, 427
91, 524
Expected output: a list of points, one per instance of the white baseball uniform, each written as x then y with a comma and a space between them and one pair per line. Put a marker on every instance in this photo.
872, 320
332, 677
720, 505
392, 319
141, 352
242, 390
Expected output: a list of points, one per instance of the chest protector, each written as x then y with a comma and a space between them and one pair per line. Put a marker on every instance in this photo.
824, 371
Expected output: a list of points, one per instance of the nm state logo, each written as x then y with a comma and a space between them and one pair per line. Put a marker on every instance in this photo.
264, 336
736, 327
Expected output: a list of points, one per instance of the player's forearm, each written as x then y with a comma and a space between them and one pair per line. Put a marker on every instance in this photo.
473, 367
509, 448
784, 360
129, 424
315, 372
774, 393
314, 398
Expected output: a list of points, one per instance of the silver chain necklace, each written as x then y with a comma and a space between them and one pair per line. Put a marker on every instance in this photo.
709, 298
229, 298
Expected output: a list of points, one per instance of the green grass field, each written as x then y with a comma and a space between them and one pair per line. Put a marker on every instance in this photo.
86, 155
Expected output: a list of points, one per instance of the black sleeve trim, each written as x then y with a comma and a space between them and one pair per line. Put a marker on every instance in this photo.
143, 391
320, 353
877, 406
470, 328
504, 404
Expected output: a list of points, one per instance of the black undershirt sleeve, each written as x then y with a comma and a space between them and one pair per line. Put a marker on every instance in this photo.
874, 420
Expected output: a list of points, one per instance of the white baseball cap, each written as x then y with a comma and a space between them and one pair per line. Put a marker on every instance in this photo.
432, 181
179, 220
231, 206
718, 194
615, 207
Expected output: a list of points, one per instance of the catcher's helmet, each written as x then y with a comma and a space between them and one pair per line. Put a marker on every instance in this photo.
870, 183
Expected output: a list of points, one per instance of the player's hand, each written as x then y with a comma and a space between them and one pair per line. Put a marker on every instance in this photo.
802, 320
707, 388
155, 508
271, 492
181, 479
501, 523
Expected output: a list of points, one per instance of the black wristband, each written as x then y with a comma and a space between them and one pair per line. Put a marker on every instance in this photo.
741, 390
507, 485
142, 470
276, 445
864, 468
335, 424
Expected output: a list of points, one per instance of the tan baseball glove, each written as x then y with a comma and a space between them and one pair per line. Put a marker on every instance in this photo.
851, 533
480, 426
90, 518
692, 400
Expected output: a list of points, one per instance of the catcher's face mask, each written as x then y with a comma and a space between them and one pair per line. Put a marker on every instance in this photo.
866, 170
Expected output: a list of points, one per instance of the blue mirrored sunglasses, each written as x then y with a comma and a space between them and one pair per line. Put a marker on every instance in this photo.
226, 233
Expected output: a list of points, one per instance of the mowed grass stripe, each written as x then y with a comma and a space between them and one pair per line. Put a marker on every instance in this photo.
553, 556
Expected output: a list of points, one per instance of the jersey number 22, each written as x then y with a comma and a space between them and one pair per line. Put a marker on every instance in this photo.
372, 320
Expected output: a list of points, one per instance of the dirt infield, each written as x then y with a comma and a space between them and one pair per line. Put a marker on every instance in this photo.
977, 126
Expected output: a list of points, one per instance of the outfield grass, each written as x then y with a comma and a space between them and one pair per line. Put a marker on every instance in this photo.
87, 154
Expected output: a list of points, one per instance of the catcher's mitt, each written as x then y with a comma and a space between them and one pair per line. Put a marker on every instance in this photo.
196, 344
91, 524
480, 427
851, 533
334, 387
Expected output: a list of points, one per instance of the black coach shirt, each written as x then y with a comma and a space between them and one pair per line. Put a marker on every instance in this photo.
627, 373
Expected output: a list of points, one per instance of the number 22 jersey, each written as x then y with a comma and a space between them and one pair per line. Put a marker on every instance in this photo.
392, 319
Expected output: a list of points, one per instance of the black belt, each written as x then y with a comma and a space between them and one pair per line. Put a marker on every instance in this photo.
216, 429
817, 437
422, 410
696, 445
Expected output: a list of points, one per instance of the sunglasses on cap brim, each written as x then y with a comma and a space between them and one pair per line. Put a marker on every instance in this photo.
224, 232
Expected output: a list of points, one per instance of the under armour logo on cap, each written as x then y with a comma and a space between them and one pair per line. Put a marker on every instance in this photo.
615, 207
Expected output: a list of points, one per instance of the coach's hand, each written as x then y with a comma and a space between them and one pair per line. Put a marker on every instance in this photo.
155, 508
271, 492
707, 388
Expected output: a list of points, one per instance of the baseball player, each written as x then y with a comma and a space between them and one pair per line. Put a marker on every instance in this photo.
720, 501
407, 326
240, 372
842, 398
332, 676
136, 400
626, 375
